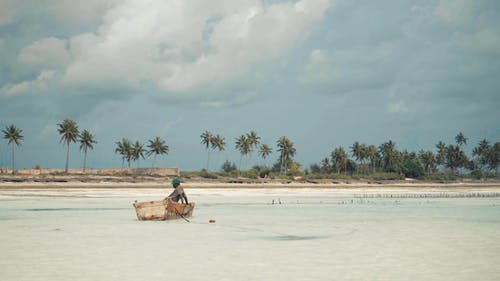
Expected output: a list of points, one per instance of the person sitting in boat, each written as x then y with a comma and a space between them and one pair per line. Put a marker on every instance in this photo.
178, 193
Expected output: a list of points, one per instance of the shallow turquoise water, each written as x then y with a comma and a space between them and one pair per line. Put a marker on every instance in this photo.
77, 236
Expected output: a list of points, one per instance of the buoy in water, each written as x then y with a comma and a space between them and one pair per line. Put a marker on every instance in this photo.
211, 221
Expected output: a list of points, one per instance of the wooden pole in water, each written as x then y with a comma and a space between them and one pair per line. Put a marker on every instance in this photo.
182, 216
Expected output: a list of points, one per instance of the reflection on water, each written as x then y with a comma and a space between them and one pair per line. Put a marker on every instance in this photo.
307, 237
295, 237
70, 209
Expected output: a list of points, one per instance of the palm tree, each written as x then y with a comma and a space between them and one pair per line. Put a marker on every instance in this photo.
427, 159
325, 166
455, 158
481, 153
138, 152
363, 154
69, 133
372, 154
264, 151
243, 146
494, 157
461, 139
254, 141
441, 153
389, 155
207, 139
357, 152
15, 137
339, 159
157, 146
125, 150
287, 151
86, 141
218, 143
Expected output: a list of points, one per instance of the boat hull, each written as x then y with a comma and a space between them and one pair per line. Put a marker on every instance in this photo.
162, 210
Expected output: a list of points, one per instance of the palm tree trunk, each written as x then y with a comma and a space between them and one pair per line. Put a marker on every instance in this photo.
208, 161
239, 168
286, 165
281, 164
85, 160
13, 167
67, 159
217, 159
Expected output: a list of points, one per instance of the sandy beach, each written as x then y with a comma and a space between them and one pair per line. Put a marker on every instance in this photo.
92, 185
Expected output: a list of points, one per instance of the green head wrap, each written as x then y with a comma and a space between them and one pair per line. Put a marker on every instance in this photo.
176, 181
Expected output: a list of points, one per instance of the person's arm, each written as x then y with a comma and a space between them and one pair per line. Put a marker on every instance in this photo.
173, 194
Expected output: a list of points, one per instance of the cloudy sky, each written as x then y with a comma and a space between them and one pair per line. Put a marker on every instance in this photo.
323, 73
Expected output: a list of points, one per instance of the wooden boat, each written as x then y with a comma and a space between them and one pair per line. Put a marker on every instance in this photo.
162, 210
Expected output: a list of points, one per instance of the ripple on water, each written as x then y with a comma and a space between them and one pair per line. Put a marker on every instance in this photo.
72, 209
294, 237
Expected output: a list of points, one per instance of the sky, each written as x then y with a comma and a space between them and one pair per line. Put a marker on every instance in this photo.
323, 73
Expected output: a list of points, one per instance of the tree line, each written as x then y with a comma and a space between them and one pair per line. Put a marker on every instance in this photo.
68, 129
386, 158
358, 159
248, 143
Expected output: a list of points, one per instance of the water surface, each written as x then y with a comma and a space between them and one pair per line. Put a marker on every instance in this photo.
80, 235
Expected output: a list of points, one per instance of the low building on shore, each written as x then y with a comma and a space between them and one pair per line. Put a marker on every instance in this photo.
159, 172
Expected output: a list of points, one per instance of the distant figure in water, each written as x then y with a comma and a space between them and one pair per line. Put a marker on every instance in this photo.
178, 193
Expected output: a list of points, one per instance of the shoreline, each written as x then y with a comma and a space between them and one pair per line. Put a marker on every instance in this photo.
75, 181
89, 186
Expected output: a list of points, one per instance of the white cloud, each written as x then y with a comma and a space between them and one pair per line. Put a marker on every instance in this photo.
175, 49
74, 11
318, 56
181, 48
347, 69
40, 84
398, 107
49, 52
473, 20
318, 70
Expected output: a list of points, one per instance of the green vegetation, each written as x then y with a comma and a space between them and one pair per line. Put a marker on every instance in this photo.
87, 141
138, 152
124, 148
387, 162
69, 133
207, 140
244, 146
219, 144
157, 146
287, 152
359, 161
14, 137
